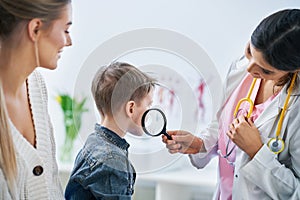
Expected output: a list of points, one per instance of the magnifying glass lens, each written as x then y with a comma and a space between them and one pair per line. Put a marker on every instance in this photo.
154, 122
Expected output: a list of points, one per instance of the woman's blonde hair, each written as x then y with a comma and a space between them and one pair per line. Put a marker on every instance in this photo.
7, 151
12, 14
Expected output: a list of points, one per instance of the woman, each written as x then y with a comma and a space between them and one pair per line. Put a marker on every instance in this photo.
258, 150
33, 33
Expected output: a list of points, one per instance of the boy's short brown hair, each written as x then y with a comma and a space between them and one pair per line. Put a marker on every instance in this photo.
118, 83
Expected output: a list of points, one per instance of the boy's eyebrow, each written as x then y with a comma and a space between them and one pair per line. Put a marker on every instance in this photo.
69, 23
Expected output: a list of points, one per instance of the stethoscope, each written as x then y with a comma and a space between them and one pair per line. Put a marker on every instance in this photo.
275, 144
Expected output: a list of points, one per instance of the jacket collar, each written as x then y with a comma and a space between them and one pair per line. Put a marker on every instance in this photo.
111, 137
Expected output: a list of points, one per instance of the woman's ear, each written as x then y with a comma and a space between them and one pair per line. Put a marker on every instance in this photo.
34, 27
246, 51
130, 105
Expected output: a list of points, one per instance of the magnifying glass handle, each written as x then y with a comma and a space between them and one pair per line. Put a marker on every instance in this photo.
168, 136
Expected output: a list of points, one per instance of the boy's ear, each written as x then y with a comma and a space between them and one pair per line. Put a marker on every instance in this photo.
130, 108
34, 27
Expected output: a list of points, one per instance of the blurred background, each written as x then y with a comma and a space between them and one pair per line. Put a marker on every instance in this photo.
219, 29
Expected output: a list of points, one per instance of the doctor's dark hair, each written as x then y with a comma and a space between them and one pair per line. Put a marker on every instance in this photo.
116, 84
277, 37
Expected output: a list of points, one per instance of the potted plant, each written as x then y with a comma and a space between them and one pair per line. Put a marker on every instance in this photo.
72, 110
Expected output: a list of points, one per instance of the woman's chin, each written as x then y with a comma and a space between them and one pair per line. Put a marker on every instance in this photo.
49, 67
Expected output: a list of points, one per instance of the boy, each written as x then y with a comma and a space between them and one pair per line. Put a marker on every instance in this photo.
122, 94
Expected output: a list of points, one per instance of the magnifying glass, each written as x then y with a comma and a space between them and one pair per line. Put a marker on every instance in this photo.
154, 123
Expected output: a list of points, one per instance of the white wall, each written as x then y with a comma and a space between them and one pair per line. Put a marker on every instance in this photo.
221, 28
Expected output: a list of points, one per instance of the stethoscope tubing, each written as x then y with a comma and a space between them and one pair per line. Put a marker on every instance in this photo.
248, 99
281, 118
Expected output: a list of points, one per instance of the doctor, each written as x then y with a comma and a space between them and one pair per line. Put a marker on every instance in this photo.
258, 147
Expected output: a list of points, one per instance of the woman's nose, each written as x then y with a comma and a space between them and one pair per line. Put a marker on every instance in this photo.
69, 41
252, 69
251, 66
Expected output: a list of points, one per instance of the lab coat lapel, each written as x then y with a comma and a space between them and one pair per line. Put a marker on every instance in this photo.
270, 113
273, 110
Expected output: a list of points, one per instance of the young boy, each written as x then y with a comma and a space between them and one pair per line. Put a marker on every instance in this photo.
122, 94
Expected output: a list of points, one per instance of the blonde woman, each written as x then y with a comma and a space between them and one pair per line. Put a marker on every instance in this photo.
33, 34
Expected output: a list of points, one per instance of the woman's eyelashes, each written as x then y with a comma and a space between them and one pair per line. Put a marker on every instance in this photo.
265, 71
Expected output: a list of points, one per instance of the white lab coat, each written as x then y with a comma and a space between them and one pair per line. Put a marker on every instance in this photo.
266, 176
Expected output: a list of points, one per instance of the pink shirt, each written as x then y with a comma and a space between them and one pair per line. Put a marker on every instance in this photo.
226, 165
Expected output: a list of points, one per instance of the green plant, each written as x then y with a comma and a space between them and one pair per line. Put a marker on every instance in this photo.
72, 110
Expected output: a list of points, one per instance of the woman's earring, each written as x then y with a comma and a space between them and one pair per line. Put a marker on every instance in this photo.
37, 58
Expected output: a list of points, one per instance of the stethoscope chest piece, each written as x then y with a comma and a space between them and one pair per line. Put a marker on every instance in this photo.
276, 145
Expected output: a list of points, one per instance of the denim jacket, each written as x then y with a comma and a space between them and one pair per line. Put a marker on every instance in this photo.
102, 169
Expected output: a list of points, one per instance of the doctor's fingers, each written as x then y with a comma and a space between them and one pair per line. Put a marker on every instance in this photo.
250, 122
178, 132
174, 148
239, 123
243, 120
164, 139
184, 138
232, 134
235, 122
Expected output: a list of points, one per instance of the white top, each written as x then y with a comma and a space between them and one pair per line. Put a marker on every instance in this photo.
29, 185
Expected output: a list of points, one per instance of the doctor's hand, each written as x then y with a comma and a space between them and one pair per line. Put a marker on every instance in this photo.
182, 142
245, 135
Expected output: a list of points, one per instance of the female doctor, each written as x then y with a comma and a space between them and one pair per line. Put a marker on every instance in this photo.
257, 139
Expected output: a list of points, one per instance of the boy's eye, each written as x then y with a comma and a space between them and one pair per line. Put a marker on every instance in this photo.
67, 32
